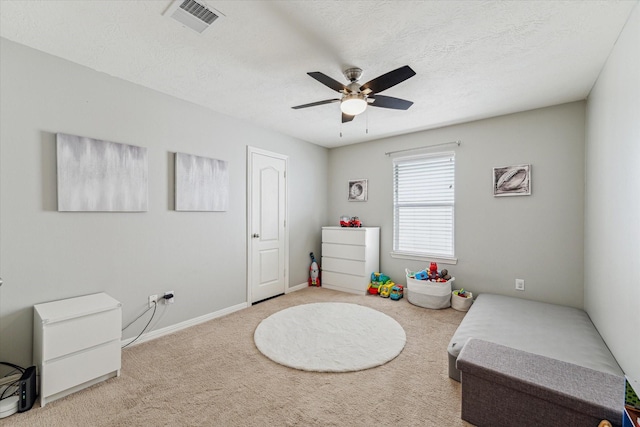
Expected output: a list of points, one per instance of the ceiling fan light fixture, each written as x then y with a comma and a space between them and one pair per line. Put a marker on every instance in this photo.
353, 104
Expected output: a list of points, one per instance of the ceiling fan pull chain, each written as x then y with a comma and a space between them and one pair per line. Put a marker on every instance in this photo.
367, 130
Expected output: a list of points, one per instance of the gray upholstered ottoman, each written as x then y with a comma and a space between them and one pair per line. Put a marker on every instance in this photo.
502, 386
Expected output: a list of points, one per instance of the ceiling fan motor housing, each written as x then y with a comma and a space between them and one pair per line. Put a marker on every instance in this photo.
353, 74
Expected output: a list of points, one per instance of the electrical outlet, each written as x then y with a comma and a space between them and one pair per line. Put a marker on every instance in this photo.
168, 300
519, 284
153, 299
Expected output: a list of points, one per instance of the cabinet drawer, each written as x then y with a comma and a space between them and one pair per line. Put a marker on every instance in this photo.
347, 236
69, 336
345, 281
356, 253
337, 265
79, 368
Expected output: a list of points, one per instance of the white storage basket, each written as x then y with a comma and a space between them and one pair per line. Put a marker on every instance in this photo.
428, 294
461, 303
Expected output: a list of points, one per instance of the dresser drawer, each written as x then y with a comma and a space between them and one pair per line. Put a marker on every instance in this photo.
346, 236
79, 368
356, 253
344, 281
69, 336
337, 265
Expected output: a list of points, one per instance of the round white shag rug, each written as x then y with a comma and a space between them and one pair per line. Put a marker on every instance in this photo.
330, 337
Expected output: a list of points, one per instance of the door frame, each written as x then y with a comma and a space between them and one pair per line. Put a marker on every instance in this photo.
250, 151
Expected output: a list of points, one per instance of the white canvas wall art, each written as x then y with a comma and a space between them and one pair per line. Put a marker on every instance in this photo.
202, 184
104, 176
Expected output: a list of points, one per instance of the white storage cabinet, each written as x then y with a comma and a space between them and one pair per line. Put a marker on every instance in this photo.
349, 256
76, 343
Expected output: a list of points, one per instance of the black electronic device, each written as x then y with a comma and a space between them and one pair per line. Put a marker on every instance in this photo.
27, 389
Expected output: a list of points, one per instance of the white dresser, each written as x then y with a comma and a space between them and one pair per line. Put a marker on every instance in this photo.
349, 256
76, 343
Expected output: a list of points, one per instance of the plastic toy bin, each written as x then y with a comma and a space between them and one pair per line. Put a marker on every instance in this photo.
427, 294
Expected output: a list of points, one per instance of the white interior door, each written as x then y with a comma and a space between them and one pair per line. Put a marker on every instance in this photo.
267, 211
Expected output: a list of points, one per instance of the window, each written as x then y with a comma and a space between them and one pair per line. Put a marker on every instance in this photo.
423, 206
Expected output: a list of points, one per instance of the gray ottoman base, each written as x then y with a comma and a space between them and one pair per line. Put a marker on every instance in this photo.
502, 386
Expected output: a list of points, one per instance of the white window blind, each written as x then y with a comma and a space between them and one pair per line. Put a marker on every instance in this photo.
423, 205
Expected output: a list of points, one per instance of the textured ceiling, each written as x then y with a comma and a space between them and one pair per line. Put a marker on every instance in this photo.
473, 59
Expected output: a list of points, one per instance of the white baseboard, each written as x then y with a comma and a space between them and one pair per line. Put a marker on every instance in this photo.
183, 325
297, 288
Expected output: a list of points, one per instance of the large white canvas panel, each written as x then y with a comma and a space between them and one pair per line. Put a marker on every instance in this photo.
202, 184
96, 175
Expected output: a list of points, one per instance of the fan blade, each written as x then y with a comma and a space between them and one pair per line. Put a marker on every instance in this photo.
390, 102
346, 118
328, 81
313, 104
388, 80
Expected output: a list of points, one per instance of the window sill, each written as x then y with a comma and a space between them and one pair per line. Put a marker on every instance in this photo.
421, 257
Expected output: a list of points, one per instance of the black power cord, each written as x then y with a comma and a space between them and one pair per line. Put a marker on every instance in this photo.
16, 367
13, 384
155, 306
166, 297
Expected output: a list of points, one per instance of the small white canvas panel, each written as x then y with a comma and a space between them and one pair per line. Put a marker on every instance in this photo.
202, 184
103, 176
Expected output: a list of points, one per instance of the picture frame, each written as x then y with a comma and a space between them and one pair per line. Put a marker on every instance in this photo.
357, 190
512, 180
95, 175
202, 184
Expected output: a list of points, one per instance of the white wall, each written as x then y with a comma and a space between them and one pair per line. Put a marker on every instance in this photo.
612, 220
538, 238
48, 255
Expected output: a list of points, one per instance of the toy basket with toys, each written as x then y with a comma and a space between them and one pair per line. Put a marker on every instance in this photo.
429, 288
461, 300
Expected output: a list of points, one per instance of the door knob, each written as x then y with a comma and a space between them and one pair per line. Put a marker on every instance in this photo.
256, 235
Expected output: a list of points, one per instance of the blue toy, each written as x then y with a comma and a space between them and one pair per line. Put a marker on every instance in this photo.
396, 292
422, 275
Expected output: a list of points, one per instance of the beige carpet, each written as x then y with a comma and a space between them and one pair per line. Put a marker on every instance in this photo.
213, 375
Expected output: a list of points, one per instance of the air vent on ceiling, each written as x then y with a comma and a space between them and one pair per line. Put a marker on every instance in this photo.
193, 14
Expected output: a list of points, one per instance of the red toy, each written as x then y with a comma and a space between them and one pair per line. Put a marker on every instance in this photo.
354, 221
433, 271
314, 272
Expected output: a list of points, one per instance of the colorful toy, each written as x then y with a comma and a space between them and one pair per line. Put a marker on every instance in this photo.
377, 279
433, 271
385, 289
354, 221
314, 272
421, 275
373, 288
396, 292
462, 293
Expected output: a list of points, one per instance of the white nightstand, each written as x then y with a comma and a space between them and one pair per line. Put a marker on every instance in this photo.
76, 343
